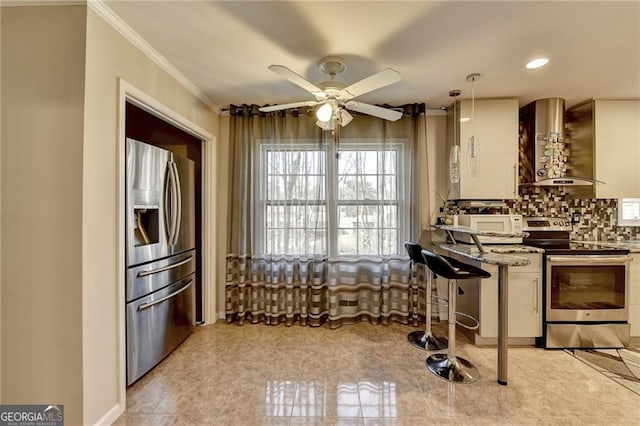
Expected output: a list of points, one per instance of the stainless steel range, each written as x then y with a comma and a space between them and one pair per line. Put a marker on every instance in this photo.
586, 288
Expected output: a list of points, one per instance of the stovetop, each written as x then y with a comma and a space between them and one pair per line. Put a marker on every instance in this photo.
567, 247
554, 236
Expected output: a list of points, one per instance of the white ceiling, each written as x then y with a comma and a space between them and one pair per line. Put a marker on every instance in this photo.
224, 48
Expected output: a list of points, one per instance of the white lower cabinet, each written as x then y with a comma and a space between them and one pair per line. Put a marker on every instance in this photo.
634, 295
479, 298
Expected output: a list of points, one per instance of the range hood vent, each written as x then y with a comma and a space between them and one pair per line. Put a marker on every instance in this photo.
544, 150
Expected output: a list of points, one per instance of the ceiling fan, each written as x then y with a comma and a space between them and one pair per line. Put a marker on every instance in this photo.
336, 97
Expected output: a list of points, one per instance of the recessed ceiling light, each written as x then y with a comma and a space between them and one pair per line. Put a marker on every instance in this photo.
537, 63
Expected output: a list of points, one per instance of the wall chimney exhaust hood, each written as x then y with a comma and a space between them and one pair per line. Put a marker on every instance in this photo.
544, 151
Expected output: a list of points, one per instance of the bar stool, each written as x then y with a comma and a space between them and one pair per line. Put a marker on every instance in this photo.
424, 339
449, 366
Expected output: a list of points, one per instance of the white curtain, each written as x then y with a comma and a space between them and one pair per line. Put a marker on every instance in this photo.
317, 223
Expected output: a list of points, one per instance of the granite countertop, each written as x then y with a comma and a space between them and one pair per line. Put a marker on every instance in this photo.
468, 230
633, 246
493, 258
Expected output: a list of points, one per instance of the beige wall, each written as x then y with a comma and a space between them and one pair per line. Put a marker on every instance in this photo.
42, 161
59, 192
110, 56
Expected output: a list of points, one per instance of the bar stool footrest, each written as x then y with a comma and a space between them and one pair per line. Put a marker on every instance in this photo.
458, 371
427, 342
475, 324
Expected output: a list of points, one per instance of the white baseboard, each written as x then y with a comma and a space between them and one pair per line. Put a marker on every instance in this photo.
110, 416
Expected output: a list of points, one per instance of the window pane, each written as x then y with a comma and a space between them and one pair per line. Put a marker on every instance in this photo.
367, 188
347, 216
275, 216
315, 162
368, 216
389, 241
316, 241
276, 188
387, 188
275, 240
368, 241
389, 216
347, 163
347, 242
315, 187
316, 217
275, 162
296, 186
347, 186
367, 162
387, 163
294, 162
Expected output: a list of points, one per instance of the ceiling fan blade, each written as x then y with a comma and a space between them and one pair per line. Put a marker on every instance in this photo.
376, 111
381, 79
287, 106
297, 79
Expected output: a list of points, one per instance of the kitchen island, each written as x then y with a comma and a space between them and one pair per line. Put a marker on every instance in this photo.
503, 261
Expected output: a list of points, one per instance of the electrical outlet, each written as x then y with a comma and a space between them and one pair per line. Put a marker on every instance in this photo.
575, 217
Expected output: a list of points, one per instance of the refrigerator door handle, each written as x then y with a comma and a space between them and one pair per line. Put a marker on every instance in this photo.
164, 268
178, 203
169, 296
168, 186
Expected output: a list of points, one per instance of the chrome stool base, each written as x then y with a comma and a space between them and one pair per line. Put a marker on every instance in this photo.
427, 342
458, 371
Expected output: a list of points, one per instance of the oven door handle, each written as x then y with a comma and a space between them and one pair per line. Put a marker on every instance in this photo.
589, 260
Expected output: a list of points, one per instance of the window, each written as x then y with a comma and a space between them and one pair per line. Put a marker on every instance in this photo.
629, 212
332, 201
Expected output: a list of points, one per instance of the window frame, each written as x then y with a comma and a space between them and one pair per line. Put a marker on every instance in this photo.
627, 222
330, 188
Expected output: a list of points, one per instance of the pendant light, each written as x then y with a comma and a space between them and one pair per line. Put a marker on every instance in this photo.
454, 153
473, 147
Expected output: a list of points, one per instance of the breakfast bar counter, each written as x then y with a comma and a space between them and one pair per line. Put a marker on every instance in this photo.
503, 261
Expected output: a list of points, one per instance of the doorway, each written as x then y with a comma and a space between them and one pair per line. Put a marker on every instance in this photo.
146, 127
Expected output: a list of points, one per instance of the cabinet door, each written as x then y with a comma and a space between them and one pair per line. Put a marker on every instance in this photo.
495, 126
525, 305
617, 146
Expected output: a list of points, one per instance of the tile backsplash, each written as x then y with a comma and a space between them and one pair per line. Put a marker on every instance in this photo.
598, 217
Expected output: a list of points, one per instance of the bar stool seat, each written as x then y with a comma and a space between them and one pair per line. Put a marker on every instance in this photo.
424, 339
449, 366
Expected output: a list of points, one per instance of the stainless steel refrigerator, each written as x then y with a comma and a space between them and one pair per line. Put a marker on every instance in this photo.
160, 255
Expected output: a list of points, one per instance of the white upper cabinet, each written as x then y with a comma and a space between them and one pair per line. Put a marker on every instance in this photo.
617, 141
609, 132
492, 175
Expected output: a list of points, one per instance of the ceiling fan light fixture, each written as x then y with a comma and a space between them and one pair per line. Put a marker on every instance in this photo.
345, 117
325, 125
324, 113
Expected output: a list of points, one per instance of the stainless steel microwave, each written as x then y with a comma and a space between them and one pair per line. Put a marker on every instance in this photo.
491, 222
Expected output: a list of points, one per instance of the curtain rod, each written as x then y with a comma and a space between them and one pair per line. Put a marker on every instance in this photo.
439, 108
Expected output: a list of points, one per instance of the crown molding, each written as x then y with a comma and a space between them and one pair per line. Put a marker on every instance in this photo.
102, 10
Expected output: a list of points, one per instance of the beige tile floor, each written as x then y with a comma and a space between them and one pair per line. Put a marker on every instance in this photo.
363, 375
